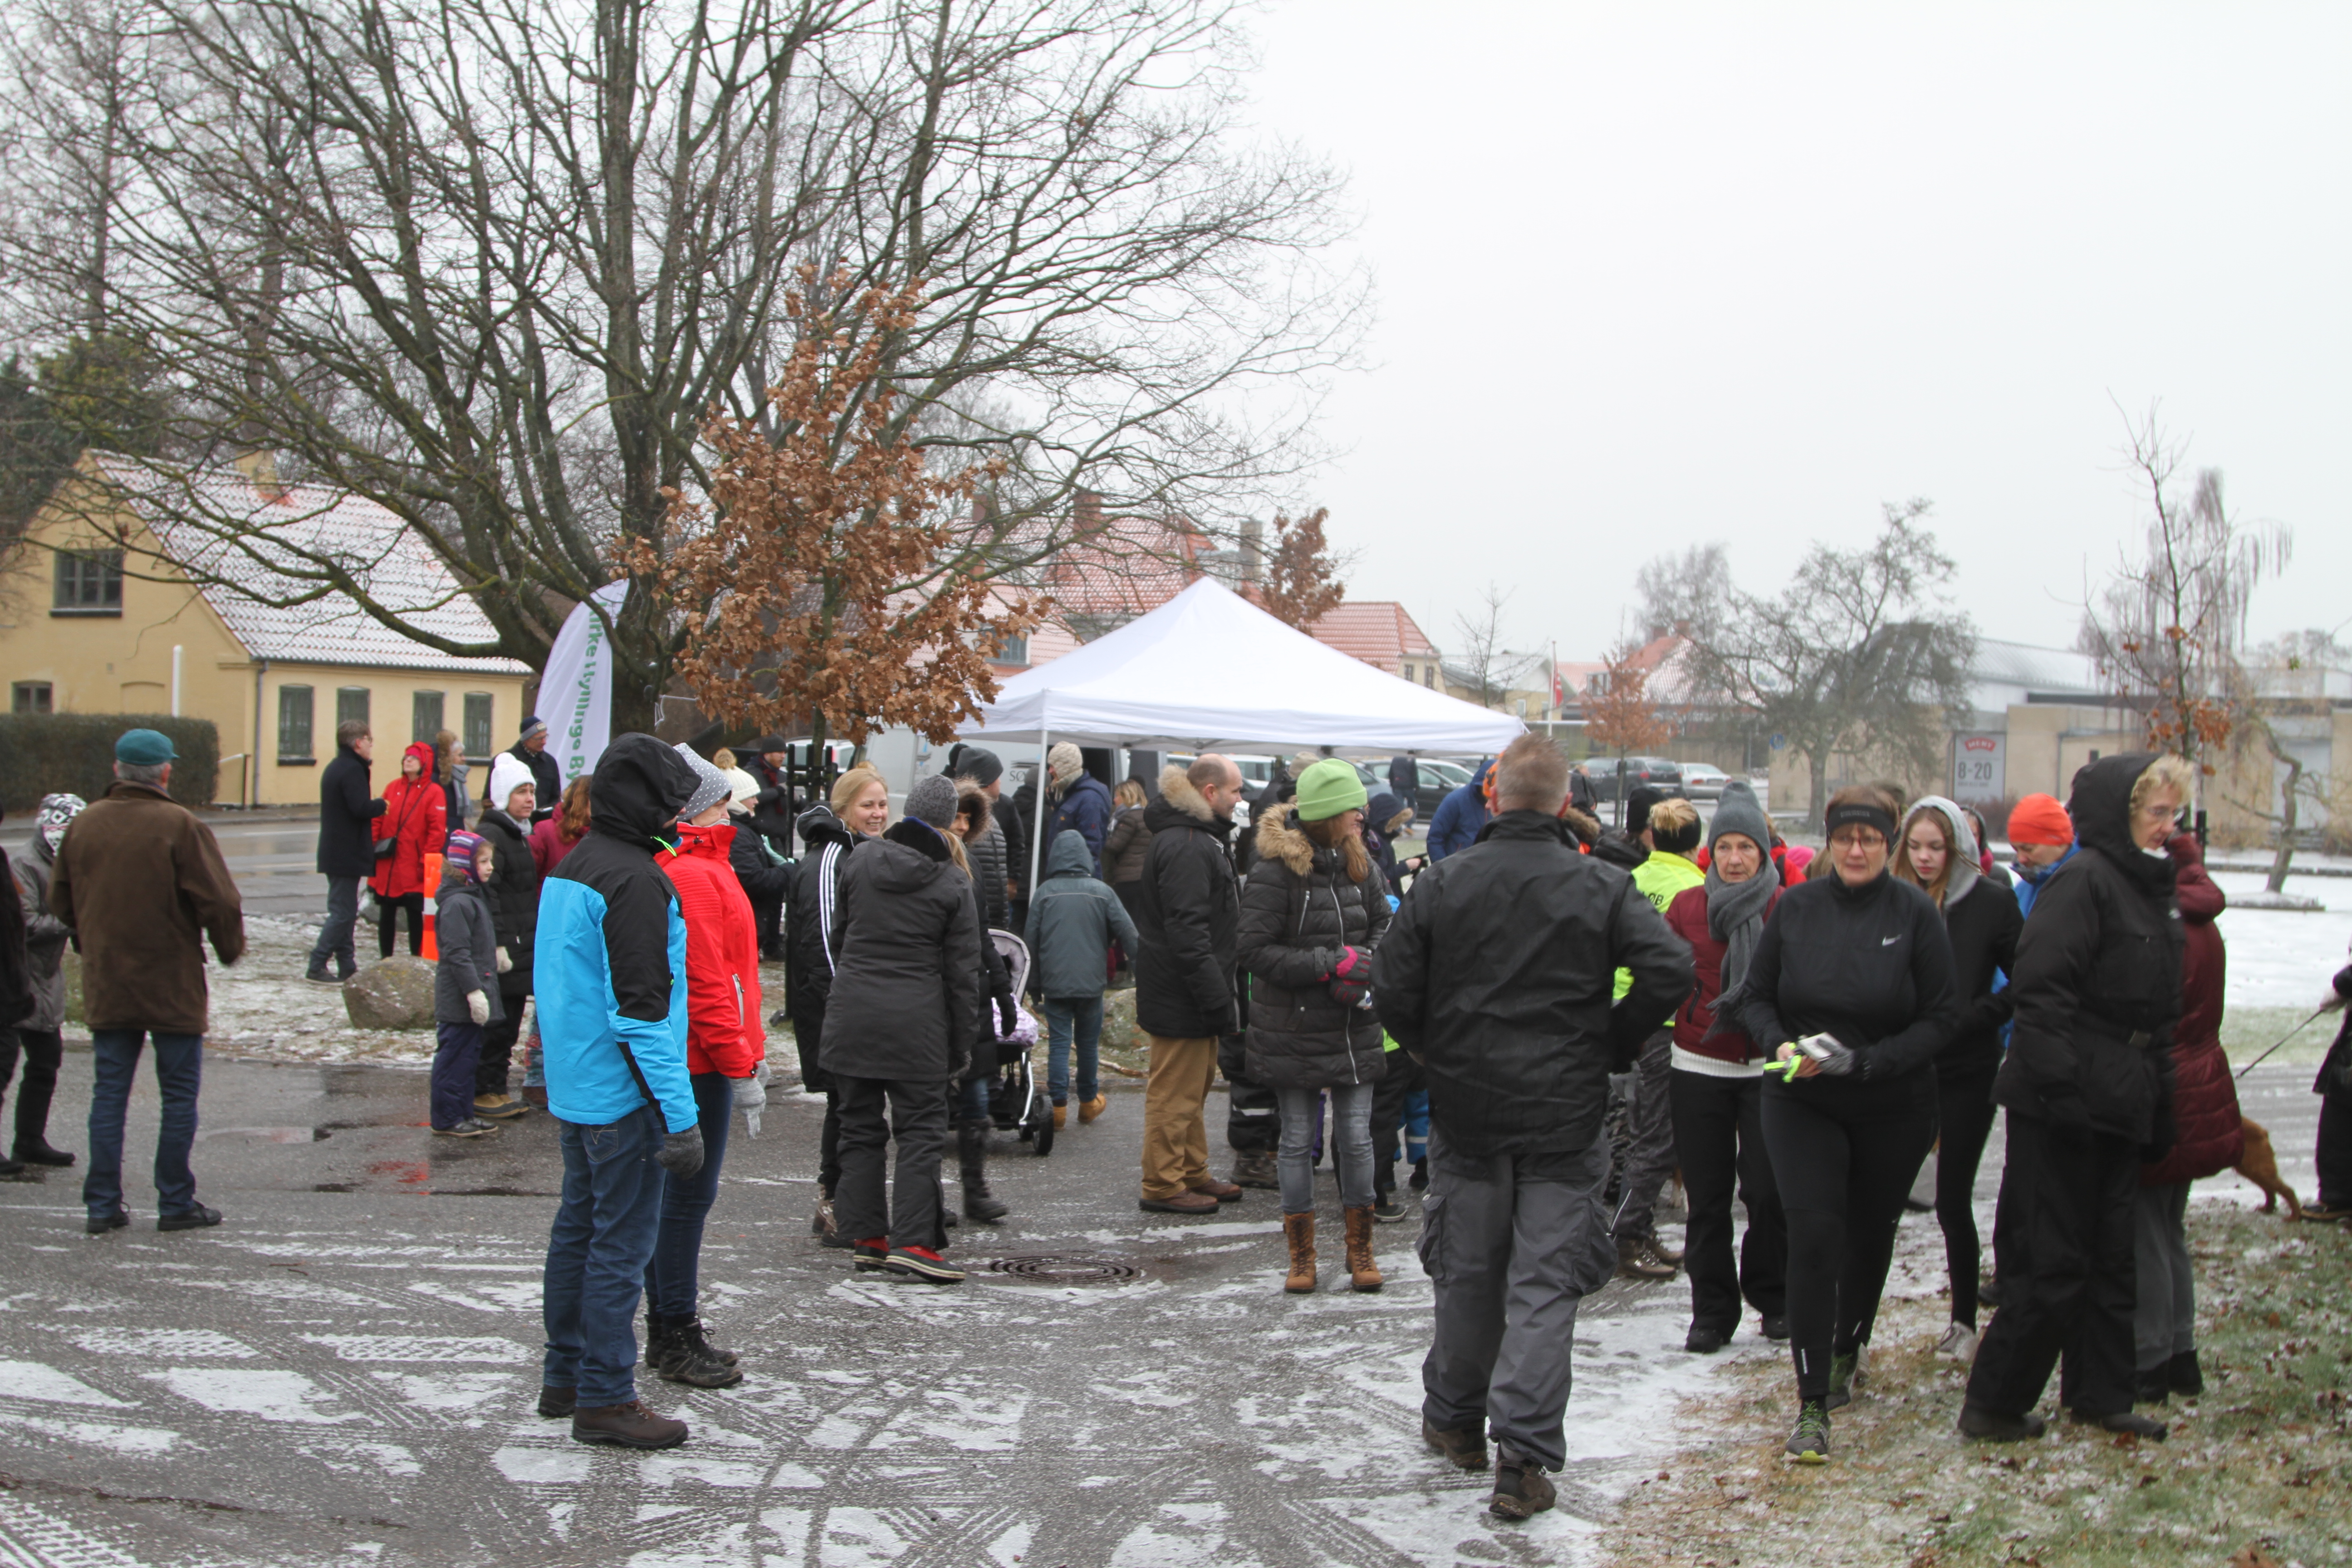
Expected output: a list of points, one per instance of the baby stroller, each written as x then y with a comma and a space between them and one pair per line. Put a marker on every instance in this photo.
1017, 1100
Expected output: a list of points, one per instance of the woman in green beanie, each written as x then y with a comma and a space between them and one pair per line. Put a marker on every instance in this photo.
1313, 911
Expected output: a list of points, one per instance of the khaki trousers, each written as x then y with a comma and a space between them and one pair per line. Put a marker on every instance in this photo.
1175, 1137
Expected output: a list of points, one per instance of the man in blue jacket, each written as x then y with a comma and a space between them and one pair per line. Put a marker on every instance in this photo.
1455, 825
610, 968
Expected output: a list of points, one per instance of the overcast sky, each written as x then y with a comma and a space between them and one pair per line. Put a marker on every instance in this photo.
1654, 274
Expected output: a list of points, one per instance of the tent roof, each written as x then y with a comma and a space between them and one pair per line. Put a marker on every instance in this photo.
1208, 670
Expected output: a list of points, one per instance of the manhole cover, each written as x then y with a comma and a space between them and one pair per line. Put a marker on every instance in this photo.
1065, 1268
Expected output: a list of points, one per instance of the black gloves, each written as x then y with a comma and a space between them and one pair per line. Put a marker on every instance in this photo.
1008, 1018
681, 1153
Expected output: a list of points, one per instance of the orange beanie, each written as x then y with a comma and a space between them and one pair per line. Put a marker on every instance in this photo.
2040, 819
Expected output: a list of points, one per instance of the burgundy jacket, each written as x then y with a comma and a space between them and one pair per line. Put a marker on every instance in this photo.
1687, 917
2210, 1133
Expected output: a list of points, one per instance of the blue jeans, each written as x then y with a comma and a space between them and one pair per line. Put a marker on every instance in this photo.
335, 933
596, 1256
1063, 1015
459, 1048
969, 1100
673, 1276
179, 1074
1351, 1145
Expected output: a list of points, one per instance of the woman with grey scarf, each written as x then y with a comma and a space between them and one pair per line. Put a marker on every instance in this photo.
1716, 1087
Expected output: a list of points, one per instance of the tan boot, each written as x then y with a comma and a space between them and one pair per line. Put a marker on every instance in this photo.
1363, 1272
1298, 1229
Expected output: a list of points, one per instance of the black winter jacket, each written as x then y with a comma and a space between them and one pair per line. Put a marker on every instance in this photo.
772, 812
1189, 914
1298, 912
513, 892
2097, 980
1983, 926
905, 999
547, 779
1497, 975
813, 917
997, 1002
346, 818
1871, 965
989, 870
764, 880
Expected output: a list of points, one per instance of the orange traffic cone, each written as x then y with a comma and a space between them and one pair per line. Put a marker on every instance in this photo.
432, 884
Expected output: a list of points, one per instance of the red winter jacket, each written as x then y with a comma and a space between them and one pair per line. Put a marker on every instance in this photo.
416, 816
2210, 1133
1687, 917
723, 1031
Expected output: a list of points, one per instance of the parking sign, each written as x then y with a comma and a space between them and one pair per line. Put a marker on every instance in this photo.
1979, 768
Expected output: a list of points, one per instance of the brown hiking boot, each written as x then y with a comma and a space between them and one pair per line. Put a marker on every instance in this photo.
1091, 1108
1363, 1272
1521, 1489
1465, 1447
1194, 1203
1257, 1171
1640, 1260
1298, 1230
1223, 1192
1061, 1117
630, 1426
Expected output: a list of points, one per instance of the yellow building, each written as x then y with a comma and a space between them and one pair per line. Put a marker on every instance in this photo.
121, 601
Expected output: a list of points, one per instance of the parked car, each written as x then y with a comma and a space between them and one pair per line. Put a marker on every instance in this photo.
1435, 781
1703, 781
1658, 773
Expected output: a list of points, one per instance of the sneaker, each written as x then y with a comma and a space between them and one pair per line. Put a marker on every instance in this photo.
1845, 1376
498, 1106
1090, 1109
1992, 1426
2184, 1376
1704, 1339
1640, 1260
2130, 1422
320, 977
1521, 1490
1776, 1326
1465, 1447
630, 1426
871, 1257
472, 1127
196, 1218
1958, 1344
1191, 1203
554, 1403
1386, 1209
1810, 1443
100, 1224
923, 1263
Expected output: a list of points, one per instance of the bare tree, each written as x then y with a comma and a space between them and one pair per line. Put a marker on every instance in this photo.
1858, 654
1486, 666
2167, 627
494, 266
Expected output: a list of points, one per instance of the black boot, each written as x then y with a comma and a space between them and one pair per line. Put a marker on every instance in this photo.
685, 1356
972, 1154
2151, 1386
664, 1344
36, 1150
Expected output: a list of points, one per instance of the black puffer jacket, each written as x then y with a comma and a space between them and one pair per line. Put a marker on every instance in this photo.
1871, 965
1299, 913
762, 879
347, 817
1498, 973
2098, 975
905, 1000
513, 892
1189, 915
989, 871
813, 917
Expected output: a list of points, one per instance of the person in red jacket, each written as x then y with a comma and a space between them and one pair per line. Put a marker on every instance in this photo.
1714, 1086
2209, 1136
416, 819
726, 1051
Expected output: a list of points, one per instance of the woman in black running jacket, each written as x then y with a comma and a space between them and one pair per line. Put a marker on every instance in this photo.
1851, 995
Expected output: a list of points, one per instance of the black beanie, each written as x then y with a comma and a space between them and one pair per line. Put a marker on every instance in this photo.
1638, 802
978, 763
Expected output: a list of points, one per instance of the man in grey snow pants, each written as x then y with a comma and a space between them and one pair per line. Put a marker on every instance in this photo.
1497, 975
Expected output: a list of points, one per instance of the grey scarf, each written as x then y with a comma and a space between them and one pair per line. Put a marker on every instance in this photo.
1735, 917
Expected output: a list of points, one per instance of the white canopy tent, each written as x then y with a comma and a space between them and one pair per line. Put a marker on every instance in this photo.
1209, 671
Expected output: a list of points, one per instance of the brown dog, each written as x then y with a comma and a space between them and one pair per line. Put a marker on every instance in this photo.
2259, 1165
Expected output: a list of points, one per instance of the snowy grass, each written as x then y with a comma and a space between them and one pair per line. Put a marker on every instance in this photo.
2257, 1472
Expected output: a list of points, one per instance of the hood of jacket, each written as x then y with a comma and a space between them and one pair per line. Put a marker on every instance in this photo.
1964, 874
638, 790
818, 827
1069, 857
2100, 803
712, 841
1281, 838
2201, 900
1181, 805
2034, 876
913, 856
1381, 810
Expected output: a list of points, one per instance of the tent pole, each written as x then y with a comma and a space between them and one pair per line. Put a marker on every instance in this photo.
1037, 830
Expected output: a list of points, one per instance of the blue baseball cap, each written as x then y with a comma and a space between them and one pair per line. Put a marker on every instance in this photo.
144, 747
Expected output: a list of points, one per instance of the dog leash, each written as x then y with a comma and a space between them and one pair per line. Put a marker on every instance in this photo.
2283, 1039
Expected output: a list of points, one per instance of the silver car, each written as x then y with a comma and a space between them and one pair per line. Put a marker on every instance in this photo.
1701, 782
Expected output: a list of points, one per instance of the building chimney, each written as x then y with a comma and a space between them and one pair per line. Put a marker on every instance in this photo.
1253, 550
1682, 630
1087, 518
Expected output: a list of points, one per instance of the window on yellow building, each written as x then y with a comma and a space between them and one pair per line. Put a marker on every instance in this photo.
31, 697
352, 705
480, 712
294, 712
88, 583
425, 716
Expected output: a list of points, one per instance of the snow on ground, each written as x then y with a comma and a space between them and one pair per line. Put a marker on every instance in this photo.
2279, 959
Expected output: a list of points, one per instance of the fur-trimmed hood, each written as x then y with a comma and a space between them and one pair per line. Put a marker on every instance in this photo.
1176, 790
1279, 838
1586, 827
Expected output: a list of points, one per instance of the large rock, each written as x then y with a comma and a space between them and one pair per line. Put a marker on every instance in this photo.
396, 994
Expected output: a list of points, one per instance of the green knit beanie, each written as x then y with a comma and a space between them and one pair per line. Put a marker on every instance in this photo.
1328, 788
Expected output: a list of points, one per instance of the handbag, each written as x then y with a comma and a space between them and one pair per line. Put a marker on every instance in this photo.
385, 849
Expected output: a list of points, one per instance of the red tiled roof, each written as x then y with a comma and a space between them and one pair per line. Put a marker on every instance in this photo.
1377, 631
1130, 566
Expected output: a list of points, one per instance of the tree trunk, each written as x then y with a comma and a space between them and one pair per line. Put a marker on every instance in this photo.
1819, 761
2285, 852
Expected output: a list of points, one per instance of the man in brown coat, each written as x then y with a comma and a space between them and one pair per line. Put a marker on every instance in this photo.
140, 883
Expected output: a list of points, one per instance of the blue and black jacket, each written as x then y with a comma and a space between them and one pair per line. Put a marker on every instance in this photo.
610, 949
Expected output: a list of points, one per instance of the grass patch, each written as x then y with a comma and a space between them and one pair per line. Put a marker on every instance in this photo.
2247, 1032
2257, 1471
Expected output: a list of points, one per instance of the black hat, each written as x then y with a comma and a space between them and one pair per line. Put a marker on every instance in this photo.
1638, 802
981, 766
767, 743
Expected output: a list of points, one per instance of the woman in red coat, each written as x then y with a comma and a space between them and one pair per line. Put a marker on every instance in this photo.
416, 819
2209, 1137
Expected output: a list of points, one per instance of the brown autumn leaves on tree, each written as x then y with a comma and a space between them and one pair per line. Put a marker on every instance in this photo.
1621, 718
1300, 582
836, 582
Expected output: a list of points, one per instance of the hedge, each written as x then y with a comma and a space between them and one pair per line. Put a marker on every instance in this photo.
46, 753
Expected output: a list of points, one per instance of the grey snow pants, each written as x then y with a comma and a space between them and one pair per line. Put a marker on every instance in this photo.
1513, 1243
1650, 1161
2164, 1310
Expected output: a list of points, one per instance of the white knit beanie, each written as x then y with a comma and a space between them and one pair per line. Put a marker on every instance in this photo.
508, 774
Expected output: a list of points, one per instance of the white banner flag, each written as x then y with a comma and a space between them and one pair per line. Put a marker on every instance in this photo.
575, 692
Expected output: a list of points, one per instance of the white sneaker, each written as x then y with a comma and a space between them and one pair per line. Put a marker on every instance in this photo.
1959, 1343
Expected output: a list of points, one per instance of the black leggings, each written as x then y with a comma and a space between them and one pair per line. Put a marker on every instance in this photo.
390, 908
1964, 1113
1843, 1163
